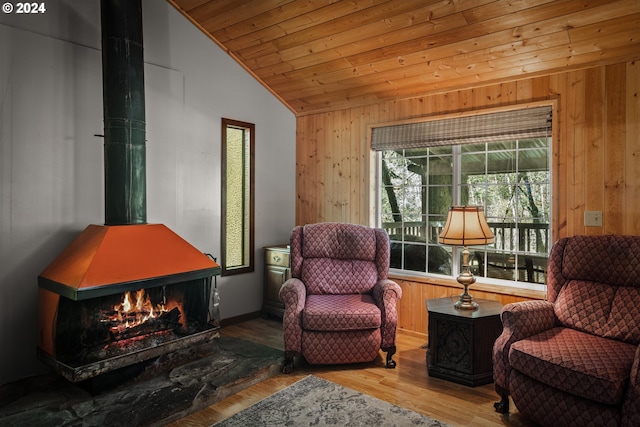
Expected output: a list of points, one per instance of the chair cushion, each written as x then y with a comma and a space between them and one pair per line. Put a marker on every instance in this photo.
338, 276
600, 309
340, 313
576, 362
585, 306
339, 241
611, 259
624, 320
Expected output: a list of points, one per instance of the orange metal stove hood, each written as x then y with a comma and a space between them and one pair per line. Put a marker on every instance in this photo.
109, 259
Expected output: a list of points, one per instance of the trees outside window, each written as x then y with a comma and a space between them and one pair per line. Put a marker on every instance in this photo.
511, 179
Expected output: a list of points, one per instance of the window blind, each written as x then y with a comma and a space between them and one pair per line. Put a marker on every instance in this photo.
490, 127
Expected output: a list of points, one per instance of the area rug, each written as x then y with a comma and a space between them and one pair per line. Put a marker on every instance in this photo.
314, 401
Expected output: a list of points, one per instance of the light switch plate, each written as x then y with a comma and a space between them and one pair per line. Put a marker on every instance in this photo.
593, 218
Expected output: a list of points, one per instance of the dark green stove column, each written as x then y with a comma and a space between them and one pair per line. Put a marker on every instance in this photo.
124, 112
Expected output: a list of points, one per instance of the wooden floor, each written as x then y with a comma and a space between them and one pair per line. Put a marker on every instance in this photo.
409, 385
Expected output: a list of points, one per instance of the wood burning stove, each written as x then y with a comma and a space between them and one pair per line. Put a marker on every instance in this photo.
119, 295
127, 291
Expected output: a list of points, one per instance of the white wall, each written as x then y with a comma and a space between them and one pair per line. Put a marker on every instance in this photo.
51, 174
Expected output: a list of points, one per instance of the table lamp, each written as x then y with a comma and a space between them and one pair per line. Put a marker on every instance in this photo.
466, 225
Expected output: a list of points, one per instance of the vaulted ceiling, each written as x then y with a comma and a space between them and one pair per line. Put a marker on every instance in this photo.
325, 55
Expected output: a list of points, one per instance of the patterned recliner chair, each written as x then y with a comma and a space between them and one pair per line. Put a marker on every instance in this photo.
574, 360
339, 305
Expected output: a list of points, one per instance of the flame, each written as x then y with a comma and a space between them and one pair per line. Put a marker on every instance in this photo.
128, 314
126, 304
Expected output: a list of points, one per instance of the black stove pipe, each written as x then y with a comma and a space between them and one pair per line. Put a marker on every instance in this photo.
124, 112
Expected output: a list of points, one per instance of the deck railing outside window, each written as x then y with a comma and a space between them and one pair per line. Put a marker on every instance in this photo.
519, 252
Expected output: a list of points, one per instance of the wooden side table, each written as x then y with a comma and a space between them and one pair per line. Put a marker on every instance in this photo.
276, 272
461, 341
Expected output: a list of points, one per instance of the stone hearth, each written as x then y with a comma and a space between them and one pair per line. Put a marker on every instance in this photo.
162, 391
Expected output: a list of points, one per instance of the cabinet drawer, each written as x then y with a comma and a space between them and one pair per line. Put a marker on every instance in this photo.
275, 257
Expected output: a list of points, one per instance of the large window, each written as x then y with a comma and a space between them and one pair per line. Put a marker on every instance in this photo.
238, 140
421, 177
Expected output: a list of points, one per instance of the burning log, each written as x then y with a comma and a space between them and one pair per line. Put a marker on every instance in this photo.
165, 321
135, 316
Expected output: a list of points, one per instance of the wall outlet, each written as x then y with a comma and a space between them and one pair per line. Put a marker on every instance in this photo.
593, 218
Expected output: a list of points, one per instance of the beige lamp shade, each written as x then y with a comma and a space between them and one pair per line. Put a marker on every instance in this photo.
466, 226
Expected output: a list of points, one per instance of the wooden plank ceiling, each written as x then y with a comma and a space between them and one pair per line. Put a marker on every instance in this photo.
326, 55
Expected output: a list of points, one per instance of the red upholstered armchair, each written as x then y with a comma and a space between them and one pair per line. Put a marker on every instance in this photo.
339, 305
574, 360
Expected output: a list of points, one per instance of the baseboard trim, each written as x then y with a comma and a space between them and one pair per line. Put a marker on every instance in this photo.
239, 319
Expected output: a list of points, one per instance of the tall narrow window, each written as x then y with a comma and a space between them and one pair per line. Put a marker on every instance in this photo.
238, 141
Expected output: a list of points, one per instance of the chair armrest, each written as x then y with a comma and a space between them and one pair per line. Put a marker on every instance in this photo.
386, 288
386, 293
293, 295
524, 319
631, 403
519, 320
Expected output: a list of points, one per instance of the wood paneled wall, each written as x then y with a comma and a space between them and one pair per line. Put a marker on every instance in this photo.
596, 159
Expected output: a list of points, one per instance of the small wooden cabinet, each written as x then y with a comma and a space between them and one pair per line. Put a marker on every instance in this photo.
461, 341
277, 271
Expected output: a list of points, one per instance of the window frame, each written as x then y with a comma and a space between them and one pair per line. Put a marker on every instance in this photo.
248, 265
553, 230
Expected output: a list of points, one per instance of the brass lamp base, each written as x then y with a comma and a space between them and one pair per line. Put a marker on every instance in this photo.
466, 279
466, 301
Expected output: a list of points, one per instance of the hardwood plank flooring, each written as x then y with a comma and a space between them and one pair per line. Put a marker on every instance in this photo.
409, 385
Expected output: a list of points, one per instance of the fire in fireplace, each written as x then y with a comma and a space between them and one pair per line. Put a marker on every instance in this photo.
99, 335
86, 338
136, 315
